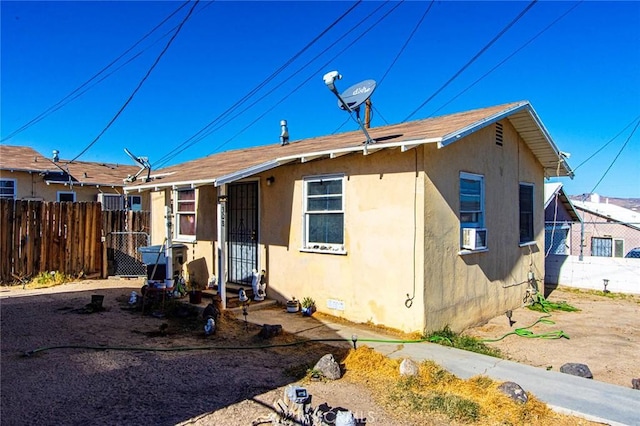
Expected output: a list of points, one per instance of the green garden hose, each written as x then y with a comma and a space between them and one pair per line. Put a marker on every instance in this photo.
545, 306
354, 339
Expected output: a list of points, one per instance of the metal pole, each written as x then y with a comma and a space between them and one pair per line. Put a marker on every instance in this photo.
169, 250
222, 290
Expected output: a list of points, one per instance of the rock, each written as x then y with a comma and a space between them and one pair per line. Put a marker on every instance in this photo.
514, 391
576, 369
328, 367
408, 367
268, 331
635, 384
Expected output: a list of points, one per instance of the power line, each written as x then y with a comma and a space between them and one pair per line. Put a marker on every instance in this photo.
77, 92
616, 157
605, 145
472, 60
506, 59
313, 75
122, 108
204, 132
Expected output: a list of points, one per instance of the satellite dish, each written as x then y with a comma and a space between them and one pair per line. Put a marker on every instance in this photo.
357, 94
144, 165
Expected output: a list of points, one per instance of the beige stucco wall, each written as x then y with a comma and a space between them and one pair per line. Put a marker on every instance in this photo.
462, 290
200, 263
380, 267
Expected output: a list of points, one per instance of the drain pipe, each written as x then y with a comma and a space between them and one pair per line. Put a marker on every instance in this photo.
222, 210
169, 249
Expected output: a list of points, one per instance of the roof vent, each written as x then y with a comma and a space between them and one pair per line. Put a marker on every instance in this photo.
499, 133
55, 155
284, 133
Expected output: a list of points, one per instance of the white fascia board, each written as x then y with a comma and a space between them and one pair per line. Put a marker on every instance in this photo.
250, 171
552, 144
155, 186
474, 127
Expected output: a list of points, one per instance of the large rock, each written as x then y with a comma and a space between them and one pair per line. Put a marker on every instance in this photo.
576, 369
514, 391
408, 367
328, 367
635, 384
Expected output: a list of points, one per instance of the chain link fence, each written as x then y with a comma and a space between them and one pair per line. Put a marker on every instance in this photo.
124, 258
602, 239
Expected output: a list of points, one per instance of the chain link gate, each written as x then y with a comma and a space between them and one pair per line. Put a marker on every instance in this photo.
123, 257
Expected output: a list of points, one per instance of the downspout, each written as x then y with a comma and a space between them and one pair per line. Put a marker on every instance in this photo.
221, 212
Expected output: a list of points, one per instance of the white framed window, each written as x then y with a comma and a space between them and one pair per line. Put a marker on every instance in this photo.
66, 196
602, 246
8, 188
618, 247
117, 202
324, 213
557, 238
471, 200
526, 212
185, 208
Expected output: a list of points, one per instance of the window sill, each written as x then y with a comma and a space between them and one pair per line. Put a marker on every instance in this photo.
528, 243
465, 252
328, 250
185, 239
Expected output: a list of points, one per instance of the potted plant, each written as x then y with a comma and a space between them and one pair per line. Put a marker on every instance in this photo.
195, 292
308, 306
293, 305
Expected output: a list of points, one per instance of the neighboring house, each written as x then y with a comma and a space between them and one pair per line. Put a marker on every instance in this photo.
609, 230
27, 175
436, 223
561, 221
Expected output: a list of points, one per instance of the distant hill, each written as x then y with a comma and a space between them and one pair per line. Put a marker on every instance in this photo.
627, 203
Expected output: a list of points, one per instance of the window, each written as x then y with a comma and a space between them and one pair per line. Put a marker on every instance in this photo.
471, 200
601, 246
526, 213
8, 188
117, 202
618, 248
185, 213
66, 196
324, 213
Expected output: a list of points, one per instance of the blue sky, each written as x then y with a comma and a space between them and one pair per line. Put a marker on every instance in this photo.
582, 74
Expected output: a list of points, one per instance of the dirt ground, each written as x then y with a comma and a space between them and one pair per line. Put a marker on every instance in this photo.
604, 335
233, 386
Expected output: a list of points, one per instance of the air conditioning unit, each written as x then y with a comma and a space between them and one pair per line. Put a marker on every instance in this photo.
474, 238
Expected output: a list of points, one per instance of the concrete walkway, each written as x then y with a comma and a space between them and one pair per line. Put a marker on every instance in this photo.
586, 398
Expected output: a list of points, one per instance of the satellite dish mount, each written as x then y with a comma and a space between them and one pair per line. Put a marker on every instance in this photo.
352, 98
144, 165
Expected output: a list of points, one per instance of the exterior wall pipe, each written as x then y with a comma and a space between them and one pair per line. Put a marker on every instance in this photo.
222, 289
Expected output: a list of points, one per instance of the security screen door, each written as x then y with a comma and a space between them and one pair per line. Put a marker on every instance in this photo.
242, 225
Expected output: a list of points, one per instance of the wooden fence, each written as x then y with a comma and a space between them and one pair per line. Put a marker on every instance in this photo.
39, 236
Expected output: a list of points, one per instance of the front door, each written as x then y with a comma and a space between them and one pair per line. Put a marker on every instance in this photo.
242, 231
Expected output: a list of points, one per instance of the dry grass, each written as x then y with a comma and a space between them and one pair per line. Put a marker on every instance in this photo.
437, 392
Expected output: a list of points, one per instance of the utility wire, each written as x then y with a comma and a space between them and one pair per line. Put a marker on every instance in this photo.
616, 157
404, 46
400, 52
472, 60
313, 75
197, 136
122, 108
506, 59
77, 92
606, 144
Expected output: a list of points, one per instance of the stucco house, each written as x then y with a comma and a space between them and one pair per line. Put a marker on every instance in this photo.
25, 174
438, 222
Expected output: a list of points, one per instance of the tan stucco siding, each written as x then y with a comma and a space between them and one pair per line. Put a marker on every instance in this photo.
375, 275
200, 263
32, 186
462, 290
